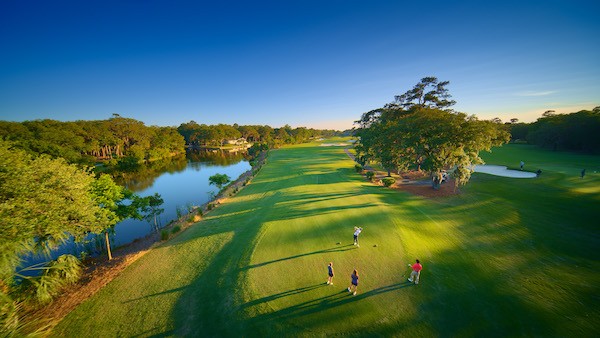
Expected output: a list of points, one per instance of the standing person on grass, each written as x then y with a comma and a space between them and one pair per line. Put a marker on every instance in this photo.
357, 232
353, 282
330, 273
416, 273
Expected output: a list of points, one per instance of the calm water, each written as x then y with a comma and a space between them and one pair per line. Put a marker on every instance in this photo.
180, 183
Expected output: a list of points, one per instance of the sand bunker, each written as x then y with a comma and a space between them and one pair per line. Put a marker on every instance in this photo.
500, 170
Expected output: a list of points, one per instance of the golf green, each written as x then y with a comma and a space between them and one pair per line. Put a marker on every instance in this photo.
504, 257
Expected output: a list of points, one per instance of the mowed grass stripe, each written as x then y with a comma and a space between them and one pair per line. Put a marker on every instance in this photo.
498, 260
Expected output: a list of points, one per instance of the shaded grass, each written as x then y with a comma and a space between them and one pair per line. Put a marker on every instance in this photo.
506, 257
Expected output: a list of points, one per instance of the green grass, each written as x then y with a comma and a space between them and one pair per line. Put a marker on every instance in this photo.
506, 257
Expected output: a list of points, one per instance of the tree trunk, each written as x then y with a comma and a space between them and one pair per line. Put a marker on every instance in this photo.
108, 245
436, 181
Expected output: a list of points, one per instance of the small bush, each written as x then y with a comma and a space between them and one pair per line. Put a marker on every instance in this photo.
180, 211
164, 235
176, 229
388, 181
370, 175
210, 206
191, 218
358, 168
199, 212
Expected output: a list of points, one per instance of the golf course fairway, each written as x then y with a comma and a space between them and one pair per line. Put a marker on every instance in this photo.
505, 257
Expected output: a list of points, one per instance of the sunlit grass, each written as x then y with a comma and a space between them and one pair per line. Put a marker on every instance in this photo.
499, 258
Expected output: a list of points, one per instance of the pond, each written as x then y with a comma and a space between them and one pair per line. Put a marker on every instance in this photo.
181, 182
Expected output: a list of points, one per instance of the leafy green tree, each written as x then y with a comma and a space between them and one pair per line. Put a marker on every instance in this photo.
429, 92
418, 129
219, 180
578, 131
117, 204
519, 131
43, 203
152, 209
249, 133
227, 132
89, 141
187, 130
266, 134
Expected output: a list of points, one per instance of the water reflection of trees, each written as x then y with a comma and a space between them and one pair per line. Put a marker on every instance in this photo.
143, 177
208, 157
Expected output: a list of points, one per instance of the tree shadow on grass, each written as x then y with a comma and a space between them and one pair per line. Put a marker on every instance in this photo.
183, 288
336, 299
213, 304
282, 294
506, 243
334, 249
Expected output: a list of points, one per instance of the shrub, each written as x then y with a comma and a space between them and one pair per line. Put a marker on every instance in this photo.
179, 211
176, 229
370, 175
164, 235
199, 212
210, 206
388, 181
358, 168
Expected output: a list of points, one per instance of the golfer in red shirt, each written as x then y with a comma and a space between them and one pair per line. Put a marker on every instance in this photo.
416, 273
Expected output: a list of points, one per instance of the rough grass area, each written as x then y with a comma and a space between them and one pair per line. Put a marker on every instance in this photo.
506, 257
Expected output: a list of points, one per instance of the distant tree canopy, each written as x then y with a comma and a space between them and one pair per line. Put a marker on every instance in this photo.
128, 142
578, 131
202, 135
90, 141
419, 130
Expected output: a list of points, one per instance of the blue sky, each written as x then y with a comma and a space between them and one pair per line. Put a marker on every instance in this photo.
318, 64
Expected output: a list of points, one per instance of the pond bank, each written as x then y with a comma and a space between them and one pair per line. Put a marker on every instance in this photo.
99, 271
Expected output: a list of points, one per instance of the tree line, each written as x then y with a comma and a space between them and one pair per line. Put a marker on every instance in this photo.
124, 142
88, 142
579, 131
202, 135
420, 131
49, 193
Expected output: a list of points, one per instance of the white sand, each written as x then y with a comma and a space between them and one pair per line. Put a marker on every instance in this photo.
500, 170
